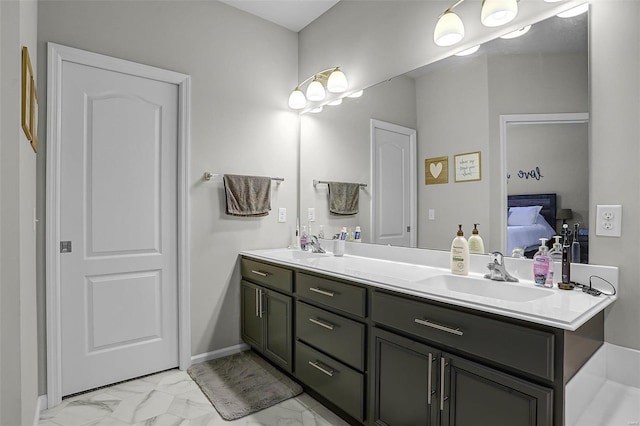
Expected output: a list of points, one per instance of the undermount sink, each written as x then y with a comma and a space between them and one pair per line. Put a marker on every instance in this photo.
297, 254
497, 290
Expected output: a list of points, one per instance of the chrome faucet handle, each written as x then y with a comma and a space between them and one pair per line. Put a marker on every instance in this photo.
497, 258
497, 269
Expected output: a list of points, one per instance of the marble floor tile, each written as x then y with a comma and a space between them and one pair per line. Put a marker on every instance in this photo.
172, 398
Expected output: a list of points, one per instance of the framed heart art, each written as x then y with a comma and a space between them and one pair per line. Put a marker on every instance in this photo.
436, 170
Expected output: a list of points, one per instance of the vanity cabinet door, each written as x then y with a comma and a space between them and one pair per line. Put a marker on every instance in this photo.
405, 384
267, 322
480, 396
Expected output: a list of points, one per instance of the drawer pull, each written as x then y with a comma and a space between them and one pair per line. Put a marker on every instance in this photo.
324, 370
322, 323
320, 291
262, 274
451, 330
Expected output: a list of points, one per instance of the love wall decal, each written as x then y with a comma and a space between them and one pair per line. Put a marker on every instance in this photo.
436, 170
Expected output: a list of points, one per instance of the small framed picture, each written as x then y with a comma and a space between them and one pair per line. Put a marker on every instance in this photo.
27, 81
34, 117
468, 167
436, 170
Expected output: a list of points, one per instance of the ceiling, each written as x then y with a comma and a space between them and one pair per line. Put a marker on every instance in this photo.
291, 14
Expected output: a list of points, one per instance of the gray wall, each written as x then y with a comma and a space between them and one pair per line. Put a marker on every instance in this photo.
351, 34
242, 70
18, 333
336, 146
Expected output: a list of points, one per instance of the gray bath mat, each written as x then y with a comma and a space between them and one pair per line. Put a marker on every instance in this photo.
241, 384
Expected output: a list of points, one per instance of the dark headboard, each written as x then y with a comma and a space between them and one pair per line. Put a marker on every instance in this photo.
547, 201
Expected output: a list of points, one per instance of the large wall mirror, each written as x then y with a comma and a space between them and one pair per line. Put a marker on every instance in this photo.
456, 106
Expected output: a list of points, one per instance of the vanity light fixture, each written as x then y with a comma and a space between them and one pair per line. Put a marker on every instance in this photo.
449, 29
316, 110
578, 10
335, 102
356, 94
469, 51
332, 80
517, 33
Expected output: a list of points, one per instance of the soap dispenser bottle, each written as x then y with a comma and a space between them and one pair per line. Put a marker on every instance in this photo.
556, 252
476, 245
460, 254
543, 266
303, 238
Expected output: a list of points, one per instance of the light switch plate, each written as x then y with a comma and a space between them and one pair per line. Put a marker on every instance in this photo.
432, 214
282, 214
609, 220
311, 215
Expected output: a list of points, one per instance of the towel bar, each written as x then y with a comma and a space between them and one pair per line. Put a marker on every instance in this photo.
208, 176
316, 182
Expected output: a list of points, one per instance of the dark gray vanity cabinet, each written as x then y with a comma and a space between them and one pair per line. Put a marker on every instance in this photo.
416, 384
267, 315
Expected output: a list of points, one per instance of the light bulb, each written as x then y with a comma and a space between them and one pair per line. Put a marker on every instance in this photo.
498, 12
449, 29
315, 91
337, 82
297, 99
517, 33
578, 10
469, 51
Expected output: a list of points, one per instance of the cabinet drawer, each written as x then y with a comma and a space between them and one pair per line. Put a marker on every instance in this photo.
508, 344
332, 379
269, 275
345, 297
340, 337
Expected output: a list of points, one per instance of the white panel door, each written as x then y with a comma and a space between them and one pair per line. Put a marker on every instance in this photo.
118, 210
394, 177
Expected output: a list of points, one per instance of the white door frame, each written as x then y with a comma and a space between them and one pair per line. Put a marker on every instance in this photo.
413, 179
505, 121
56, 55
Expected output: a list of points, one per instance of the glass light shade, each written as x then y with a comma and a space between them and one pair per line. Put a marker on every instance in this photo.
498, 12
552, 1
315, 91
449, 29
356, 94
337, 82
297, 99
517, 33
335, 102
469, 51
578, 10
316, 110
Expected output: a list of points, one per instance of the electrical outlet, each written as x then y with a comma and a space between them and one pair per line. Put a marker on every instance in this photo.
282, 214
609, 220
432, 214
311, 214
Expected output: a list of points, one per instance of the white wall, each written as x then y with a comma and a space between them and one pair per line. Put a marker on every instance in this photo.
352, 35
615, 132
18, 334
242, 70
336, 146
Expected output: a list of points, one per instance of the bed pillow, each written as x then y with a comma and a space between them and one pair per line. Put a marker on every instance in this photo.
523, 216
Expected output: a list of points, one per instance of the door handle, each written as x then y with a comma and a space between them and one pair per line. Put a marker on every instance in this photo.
257, 302
261, 296
443, 364
429, 373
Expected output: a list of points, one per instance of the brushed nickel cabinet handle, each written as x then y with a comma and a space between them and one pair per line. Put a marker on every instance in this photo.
443, 364
324, 370
451, 330
262, 274
257, 303
431, 359
261, 295
322, 323
320, 291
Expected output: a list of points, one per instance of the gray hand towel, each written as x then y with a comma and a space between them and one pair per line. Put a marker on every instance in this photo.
343, 198
247, 195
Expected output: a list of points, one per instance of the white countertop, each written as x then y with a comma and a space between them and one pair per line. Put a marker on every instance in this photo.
564, 309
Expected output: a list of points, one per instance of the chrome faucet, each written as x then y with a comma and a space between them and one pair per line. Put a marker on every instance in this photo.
497, 270
315, 245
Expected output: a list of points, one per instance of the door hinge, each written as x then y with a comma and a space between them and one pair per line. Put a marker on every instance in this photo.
65, 246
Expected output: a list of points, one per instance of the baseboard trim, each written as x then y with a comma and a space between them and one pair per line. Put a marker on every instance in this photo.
219, 353
41, 405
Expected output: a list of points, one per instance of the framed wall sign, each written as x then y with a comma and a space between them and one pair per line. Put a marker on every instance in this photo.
27, 82
468, 167
34, 116
436, 170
